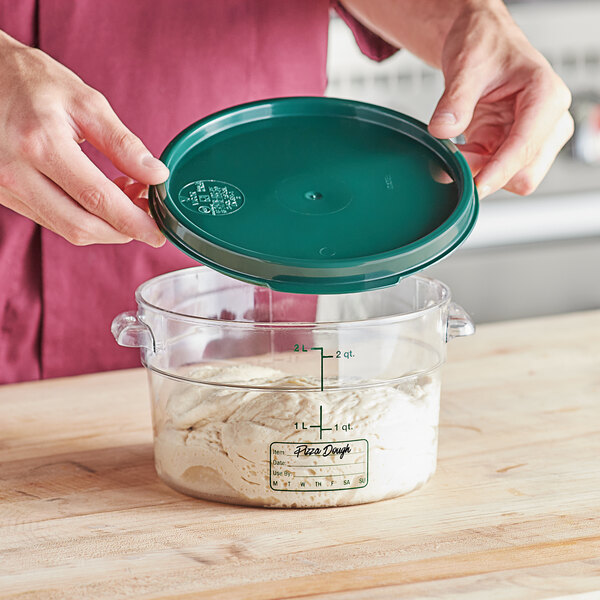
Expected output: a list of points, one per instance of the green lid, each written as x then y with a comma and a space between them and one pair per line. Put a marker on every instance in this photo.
314, 195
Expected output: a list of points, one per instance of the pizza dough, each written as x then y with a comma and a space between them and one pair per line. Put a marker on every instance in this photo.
299, 447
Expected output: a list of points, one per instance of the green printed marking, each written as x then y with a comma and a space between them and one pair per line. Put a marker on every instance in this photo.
320, 425
323, 357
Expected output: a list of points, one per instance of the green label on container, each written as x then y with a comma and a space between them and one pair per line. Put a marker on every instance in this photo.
211, 197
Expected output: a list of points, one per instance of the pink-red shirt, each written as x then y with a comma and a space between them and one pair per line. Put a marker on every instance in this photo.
162, 65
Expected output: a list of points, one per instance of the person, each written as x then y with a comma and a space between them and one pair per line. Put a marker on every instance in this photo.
75, 235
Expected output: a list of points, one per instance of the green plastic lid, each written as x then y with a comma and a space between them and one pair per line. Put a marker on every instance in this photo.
314, 195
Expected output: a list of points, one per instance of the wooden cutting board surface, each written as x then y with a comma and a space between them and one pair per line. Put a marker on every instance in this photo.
513, 511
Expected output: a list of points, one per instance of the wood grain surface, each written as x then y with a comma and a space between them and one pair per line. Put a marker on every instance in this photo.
512, 513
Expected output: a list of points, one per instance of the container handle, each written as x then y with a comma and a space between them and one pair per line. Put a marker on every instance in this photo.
130, 332
459, 323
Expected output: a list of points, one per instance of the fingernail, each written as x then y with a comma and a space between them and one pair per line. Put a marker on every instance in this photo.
447, 118
483, 190
152, 163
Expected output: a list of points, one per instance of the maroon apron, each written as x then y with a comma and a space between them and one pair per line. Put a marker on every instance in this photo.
162, 65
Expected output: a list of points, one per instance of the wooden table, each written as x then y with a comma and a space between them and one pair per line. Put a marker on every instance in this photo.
513, 511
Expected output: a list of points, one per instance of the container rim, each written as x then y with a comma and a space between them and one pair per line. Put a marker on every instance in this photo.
445, 298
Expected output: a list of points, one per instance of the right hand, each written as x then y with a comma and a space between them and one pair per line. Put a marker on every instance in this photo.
46, 111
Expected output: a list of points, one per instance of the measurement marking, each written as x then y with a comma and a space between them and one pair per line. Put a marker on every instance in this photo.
320, 425
339, 354
320, 348
323, 356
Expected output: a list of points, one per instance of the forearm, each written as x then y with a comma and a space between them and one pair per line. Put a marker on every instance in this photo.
420, 26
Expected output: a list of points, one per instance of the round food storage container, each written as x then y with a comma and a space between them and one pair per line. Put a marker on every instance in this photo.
278, 399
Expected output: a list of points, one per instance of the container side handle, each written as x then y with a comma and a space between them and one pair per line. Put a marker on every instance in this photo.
459, 323
130, 332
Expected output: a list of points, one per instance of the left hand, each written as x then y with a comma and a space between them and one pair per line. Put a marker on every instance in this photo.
504, 97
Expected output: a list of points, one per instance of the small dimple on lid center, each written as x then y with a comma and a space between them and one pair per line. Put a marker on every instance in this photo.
311, 195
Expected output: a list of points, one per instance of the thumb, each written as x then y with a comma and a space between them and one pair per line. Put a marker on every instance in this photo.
96, 122
455, 108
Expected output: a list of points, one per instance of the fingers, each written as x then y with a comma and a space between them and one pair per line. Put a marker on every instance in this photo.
95, 120
455, 108
528, 179
122, 181
476, 156
45, 203
537, 114
11, 201
142, 203
63, 162
137, 192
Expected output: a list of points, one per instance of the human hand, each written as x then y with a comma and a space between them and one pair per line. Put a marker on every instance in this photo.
504, 97
45, 112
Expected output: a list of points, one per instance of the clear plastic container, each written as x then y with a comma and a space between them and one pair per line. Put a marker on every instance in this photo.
285, 400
